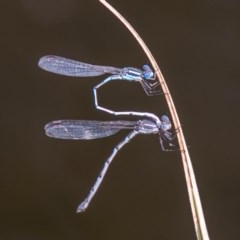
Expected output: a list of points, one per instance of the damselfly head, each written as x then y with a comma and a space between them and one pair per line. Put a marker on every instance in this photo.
166, 123
147, 72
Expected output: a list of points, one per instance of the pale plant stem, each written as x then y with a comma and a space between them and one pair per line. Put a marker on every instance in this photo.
195, 202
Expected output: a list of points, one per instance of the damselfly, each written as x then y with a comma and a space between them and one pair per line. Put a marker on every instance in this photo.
68, 67
87, 130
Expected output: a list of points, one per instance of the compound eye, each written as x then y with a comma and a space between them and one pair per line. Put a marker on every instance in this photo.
166, 124
164, 118
146, 67
147, 72
146, 75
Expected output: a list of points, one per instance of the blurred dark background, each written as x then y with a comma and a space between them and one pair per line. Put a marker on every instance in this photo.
144, 195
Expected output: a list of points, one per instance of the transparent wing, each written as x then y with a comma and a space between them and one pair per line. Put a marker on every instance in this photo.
68, 67
84, 129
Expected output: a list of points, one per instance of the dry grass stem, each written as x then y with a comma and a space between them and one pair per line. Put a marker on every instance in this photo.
196, 206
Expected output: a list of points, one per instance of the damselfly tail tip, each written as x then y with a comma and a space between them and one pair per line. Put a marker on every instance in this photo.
80, 210
82, 207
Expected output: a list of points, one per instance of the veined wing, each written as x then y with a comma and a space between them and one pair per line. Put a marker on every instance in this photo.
84, 129
68, 67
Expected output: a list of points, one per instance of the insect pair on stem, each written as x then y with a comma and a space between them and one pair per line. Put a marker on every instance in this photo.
86, 130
